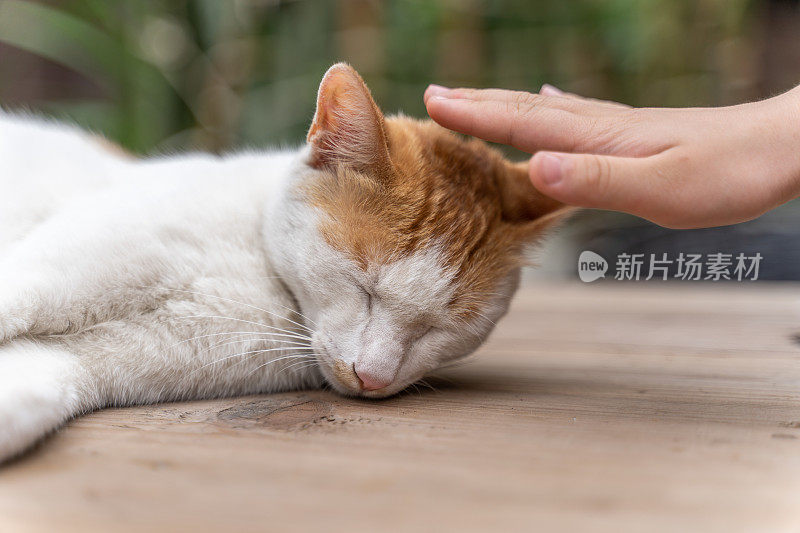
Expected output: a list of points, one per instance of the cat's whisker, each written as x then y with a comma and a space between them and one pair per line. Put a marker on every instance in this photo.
306, 350
248, 332
245, 304
261, 324
261, 333
251, 352
253, 306
270, 362
485, 317
225, 342
314, 361
244, 339
198, 293
482, 293
303, 368
220, 317
310, 364
469, 326
287, 346
298, 354
285, 343
426, 384
295, 311
300, 365
267, 335
302, 359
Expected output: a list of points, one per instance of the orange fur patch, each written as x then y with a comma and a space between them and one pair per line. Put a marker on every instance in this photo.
440, 189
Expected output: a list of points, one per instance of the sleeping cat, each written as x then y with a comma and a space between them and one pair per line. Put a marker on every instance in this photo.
381, 250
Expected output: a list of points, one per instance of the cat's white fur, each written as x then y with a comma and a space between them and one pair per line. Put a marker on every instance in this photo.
131, 281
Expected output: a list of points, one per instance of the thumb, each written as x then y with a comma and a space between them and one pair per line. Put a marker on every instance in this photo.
589, 180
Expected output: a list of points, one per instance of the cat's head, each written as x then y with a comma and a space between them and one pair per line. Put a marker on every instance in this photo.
402, 242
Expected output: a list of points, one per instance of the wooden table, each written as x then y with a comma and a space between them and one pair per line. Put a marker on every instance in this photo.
605, 407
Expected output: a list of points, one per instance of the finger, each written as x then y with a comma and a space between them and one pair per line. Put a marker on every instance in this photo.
548, 96
549, 90
628, 184
502, 95
435, 90
472, 94
526, 125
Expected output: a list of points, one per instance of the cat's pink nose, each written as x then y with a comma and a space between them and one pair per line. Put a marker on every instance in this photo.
370, 381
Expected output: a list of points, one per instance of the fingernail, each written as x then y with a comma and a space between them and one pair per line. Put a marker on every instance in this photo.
436, 90
550, 167
549, 90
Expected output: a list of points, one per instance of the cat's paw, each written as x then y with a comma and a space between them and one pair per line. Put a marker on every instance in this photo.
37, 394
24, 419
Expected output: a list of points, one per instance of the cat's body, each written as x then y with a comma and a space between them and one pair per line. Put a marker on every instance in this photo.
114, 253
125, 281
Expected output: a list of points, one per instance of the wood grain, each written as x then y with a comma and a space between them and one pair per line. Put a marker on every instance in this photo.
593, 408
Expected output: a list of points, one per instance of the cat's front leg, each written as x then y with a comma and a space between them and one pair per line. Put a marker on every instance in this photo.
18, 305
33, 301
12, 321
41, 387
60, 281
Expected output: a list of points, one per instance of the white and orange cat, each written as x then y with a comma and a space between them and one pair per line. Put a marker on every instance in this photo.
381, 250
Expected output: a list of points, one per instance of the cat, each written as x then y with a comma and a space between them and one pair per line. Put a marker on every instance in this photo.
376, 253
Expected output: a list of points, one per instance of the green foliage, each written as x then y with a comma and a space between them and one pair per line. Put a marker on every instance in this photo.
216, 74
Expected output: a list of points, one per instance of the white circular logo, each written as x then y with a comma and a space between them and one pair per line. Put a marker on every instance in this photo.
591, 266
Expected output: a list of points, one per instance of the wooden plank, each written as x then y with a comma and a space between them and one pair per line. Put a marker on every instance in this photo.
608, 407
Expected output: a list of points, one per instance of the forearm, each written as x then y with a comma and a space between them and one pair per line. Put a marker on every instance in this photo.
789, 141
680, 168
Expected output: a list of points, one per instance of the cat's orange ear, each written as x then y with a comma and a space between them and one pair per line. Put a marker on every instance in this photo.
526, 207
348, 127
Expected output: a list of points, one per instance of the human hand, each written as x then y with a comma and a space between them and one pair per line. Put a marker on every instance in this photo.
680, 168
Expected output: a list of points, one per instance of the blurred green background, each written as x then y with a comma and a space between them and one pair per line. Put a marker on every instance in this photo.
215, 74
165, 75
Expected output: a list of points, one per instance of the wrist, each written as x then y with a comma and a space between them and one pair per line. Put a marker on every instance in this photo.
762, 143
790, 122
